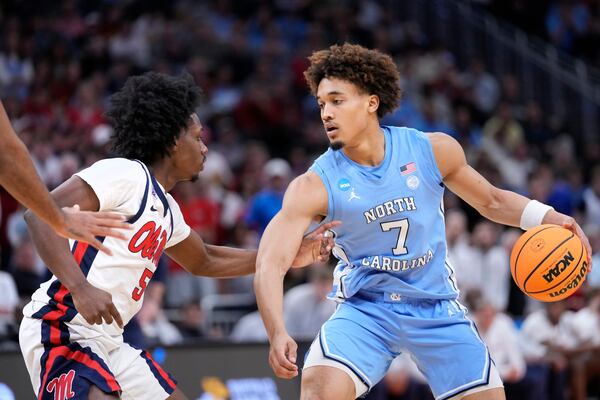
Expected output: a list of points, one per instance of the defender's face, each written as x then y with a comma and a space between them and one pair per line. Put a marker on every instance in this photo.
345, 111
191, 150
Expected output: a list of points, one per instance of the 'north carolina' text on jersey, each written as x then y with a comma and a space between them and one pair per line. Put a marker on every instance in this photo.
392, 237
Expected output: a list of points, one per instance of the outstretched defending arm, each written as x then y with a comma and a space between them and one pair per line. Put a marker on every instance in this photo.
19, 178
208, 260
502, 206
212, 261
305, 200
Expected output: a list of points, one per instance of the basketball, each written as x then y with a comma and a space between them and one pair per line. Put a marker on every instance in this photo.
549, 263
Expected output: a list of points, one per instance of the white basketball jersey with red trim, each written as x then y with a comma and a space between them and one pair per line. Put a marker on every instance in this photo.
125, 187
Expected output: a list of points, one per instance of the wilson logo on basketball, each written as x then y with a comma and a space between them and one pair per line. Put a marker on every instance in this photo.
560, 266
62, 386
149, 241
574, 283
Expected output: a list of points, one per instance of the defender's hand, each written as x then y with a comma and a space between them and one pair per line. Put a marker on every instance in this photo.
282, 356
95, 305
86, 225
316, 246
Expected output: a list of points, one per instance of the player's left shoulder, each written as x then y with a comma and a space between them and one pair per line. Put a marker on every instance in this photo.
448, 153
441, 139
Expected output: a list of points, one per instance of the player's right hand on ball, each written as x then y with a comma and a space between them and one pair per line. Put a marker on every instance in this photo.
282, 356
95, 305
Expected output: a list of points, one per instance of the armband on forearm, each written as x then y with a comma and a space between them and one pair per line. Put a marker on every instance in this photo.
533, 214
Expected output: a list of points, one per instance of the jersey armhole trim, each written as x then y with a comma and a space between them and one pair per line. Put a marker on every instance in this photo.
330, 203
144, 199
434, 169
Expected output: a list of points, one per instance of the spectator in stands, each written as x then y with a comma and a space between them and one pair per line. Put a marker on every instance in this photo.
16, 228
157, 329
501, 337
466, 131
585, 359
511, 95
306, 306
517, 300
593, 233
229, 145
202, 215
565, 22
514, 167
504, 128
267, 202
9, 300
591, 198
46, 163
26, 271
482, 86
250, 328
459, 249
487, 266
190, 322
430, 122
16, 68
249, 179
219, 178
546, 336
537, 132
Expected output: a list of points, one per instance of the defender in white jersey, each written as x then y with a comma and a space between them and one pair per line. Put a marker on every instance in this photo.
395, 290
71, 334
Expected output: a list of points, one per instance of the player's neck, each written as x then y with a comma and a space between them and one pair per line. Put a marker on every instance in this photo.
163, 174
370, 149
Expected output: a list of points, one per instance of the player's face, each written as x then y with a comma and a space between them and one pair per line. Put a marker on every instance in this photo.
345, 111
190, 152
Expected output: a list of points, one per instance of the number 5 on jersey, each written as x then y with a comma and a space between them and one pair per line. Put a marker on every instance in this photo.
138, 291
402, 225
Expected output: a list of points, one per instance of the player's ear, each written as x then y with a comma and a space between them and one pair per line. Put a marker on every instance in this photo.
175, 147
373, 103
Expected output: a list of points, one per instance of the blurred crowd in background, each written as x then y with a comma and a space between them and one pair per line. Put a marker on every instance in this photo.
571, 25
61, 61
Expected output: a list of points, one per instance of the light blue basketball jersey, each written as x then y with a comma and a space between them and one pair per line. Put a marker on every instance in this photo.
392, 238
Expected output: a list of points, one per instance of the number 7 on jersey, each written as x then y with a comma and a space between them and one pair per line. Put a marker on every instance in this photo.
402, 225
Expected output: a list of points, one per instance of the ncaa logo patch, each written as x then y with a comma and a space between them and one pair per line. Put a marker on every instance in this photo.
344, 184
412, 182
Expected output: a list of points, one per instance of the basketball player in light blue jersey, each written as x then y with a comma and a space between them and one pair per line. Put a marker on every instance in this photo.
394, 285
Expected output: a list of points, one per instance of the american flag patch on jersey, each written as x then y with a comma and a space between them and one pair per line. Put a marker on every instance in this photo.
408, 168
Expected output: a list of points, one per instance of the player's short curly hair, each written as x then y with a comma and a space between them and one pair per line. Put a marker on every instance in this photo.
149, 113
370, 70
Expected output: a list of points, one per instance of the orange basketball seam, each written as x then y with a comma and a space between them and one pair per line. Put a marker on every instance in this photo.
545, 258
514, 267
567, 277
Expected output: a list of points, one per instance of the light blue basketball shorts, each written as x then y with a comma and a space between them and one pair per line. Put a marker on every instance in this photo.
367, 332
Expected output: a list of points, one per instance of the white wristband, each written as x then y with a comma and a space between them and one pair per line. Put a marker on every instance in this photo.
533, 214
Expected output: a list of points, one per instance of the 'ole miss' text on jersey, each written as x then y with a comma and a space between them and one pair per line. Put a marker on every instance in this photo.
157, 224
